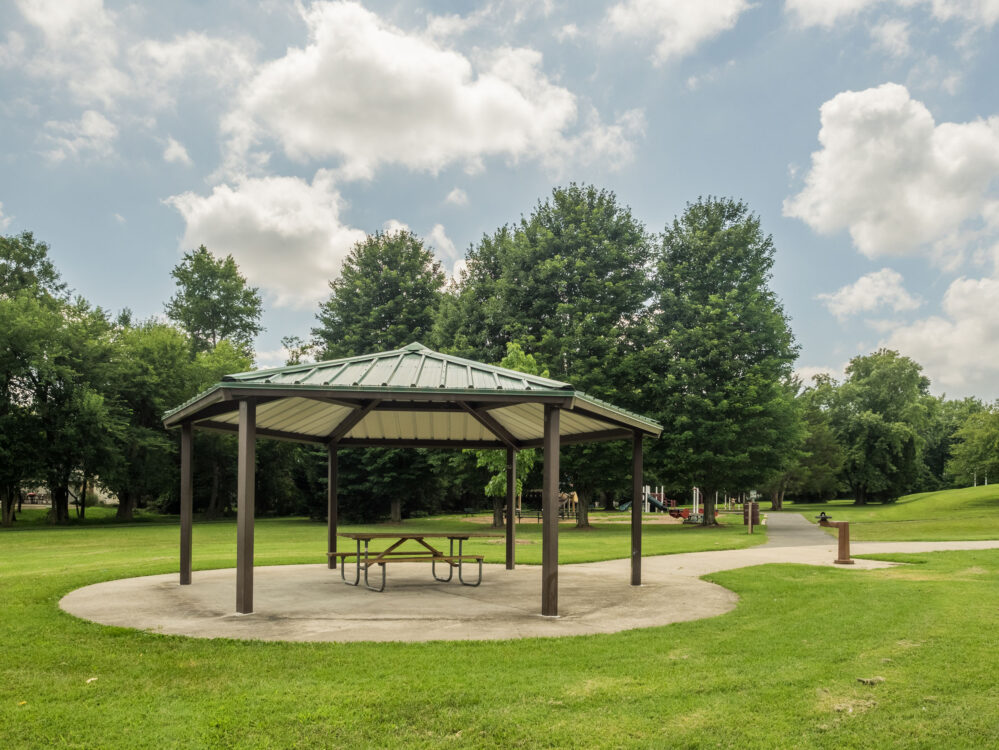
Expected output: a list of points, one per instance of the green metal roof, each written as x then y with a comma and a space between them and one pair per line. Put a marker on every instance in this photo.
407, 396
413, 366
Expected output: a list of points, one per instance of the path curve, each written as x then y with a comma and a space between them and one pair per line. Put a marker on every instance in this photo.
310, 603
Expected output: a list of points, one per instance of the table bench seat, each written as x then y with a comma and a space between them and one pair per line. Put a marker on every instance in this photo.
365, 559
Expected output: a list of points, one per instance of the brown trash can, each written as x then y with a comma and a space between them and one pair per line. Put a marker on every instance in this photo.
748, 508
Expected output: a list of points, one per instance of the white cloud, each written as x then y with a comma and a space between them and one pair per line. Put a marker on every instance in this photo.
4, 220
203, 62
90, 137
899, 182
394, 226
457, 197
285, 233
460, 267
958, 349
830, 12
439, 240
567, 32
368, 93
870, 292
175, 153
119, 218
805, 373
80, 45
892, 36
679, 25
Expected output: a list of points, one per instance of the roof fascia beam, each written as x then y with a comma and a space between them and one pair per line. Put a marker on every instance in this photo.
352, 420
414, 443
294, 437
585, 437
492, 425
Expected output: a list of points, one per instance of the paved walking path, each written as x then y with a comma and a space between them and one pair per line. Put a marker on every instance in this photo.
310, 602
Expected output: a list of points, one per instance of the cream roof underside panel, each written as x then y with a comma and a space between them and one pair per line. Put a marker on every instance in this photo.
303, 415
420, 426
526, 421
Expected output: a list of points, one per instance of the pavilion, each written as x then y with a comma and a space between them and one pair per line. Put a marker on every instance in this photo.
410, 397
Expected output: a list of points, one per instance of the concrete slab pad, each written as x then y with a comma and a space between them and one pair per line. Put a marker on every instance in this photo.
311, 603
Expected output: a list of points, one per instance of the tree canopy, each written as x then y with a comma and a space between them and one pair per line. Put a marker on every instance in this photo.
721, 346
213, 301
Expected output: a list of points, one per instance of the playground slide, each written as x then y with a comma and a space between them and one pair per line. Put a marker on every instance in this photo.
653, 503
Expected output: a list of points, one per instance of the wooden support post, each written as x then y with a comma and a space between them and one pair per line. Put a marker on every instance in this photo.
186, 499
332, 504
549, 513
511, 499
636, 510
245, 502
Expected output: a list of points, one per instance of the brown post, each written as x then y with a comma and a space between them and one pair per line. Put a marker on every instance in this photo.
245, 502
332, 502
636, 509
549, 514
186, 499
843, 535
511, 498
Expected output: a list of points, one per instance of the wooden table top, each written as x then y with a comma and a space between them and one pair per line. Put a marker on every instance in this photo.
362, 535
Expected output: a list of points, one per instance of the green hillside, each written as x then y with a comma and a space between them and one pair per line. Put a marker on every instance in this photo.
970, 513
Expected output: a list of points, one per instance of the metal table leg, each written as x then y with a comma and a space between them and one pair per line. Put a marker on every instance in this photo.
461, 563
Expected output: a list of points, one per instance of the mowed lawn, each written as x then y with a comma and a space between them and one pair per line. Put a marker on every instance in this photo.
970, 513
781, 670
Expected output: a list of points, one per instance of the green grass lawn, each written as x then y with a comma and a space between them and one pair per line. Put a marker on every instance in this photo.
970, 513
779, 671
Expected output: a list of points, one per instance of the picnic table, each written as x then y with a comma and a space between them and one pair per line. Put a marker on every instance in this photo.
366, 558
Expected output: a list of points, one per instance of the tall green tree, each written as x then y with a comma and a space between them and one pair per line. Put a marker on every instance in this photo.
495, 460
213, 301
879, 414
568, 284
386, 296
976, 452
153, 372
721, 348
816, 475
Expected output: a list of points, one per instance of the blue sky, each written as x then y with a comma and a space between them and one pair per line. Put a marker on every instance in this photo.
864, 133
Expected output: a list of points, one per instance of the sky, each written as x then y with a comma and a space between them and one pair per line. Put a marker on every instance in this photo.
863, 133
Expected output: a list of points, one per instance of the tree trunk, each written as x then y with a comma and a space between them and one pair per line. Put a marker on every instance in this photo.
860, 495
583, 508
776, 500
60, 504
708, 498
81, 508
395, 510
498, 504
126, 506
7, 502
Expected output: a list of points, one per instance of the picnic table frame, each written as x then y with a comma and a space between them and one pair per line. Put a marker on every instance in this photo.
367, 558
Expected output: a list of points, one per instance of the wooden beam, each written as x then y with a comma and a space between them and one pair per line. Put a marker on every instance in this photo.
415, 443
549, 515
292, 437
488, 421
511, 500
263, 395
245, 506
636, 509
352, 420
186, 500
584, 437
332, 503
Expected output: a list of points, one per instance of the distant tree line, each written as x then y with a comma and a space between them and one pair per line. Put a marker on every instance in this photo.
681, 326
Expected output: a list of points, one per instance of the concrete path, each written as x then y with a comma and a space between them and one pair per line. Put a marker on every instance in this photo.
793, 530
311, 603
